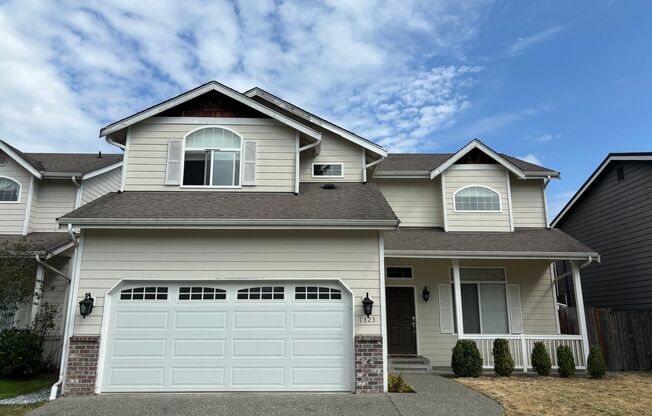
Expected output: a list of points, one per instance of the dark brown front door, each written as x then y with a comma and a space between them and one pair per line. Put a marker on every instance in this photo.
401, 324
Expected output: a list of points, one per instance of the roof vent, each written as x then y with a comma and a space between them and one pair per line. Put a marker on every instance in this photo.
328, 186
99, 154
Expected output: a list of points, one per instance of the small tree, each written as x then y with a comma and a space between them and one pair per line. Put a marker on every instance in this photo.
565, 361
503, 361
18, 275
466, 360
541, 359
595, 364
44, 325
20, 353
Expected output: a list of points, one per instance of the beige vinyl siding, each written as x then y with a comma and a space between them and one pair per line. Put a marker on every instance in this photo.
334, 149
12, 214
492, 176
32, 212
527, 203
533, 276
416, 202
148, 145
56, 197
97, 186
111, 255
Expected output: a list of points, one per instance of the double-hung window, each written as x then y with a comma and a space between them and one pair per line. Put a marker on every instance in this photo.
484, 301
213, 157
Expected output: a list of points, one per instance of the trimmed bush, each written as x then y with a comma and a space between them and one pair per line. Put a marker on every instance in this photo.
466, 360
20, 353
396, 384
503, 361
541, 359
595, 365
565, 361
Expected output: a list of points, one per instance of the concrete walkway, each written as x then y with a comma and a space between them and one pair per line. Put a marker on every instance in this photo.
435, 396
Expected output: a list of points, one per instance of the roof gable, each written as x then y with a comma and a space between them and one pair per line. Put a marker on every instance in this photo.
201, 90
472, 145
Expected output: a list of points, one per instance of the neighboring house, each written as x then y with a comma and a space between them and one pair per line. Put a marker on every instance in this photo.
612, 213
251, 235
35, 189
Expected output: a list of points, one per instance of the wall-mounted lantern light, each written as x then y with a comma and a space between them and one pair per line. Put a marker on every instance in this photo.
367, 305
86, 305
426, 294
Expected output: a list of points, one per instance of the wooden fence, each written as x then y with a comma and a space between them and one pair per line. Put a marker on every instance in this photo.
624, 336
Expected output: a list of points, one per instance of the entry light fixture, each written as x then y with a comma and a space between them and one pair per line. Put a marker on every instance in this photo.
86, 305
426, 294
367, 305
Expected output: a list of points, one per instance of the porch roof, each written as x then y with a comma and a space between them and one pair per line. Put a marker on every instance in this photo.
41, 243
526, 243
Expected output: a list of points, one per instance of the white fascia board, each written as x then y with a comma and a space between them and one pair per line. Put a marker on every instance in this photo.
101, 171
333, 128
523, 255
592, 179
477, 144
211, 86
18, 159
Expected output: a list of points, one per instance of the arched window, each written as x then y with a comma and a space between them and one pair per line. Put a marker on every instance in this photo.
9, 190
476, 198
213, 157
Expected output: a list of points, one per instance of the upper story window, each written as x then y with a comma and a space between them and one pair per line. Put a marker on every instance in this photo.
476, 198
213, 157
328, 170
399, 272
9, 190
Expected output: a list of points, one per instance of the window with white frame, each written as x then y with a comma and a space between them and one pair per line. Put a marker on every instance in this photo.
484, 301
476, 198
9, 190
315, 292
264, 293
399, 272
212, 157
332, 170
201, 293
145, 293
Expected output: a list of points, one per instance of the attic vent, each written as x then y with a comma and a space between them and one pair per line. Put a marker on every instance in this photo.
328, 186
620, 173
99, 154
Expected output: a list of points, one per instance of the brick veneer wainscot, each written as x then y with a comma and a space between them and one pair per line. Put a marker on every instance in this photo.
369, 364
82, 366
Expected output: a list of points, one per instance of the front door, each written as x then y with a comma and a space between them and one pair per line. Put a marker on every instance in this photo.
401, 321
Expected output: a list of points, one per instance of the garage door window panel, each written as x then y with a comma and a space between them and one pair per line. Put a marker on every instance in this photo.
145, 293
201, 293
262, 293
316, 293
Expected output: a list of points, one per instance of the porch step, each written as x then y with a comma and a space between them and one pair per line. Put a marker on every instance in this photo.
416, 364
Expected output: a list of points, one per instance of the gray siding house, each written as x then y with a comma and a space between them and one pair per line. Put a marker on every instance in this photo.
612, 213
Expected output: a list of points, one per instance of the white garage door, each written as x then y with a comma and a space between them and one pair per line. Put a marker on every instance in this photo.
229, 337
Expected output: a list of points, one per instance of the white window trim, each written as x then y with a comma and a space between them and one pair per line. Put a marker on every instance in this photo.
312, 170
500, 202
225, 149
477, 283
20, 190
5, 158
400, 279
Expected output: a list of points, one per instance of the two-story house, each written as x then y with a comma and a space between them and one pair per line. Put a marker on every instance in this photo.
36, 189
258, 247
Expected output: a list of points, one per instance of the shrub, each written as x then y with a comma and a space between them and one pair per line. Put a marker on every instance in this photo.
541, 359
565, 361
503, 361
396, 384
466, 360
20, 353
595, 365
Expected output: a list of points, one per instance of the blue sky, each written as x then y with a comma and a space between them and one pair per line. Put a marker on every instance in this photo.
562, 83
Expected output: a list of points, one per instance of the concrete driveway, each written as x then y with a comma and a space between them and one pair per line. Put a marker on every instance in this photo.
435, 396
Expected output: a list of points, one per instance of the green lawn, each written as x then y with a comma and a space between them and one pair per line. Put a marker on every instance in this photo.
18, 409
12, 388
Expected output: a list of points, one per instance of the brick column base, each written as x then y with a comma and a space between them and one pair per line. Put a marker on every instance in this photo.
81, 373
369, 364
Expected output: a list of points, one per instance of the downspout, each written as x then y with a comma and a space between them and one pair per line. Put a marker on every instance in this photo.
78, 195
299, 150
67, 319
583, 265
109, 141
368, 165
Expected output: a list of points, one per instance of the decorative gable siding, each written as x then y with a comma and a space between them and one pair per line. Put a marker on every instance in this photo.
147, 147
493, 176
416, 202
334, 149
100, 185
56, 197
528, 203
12, 215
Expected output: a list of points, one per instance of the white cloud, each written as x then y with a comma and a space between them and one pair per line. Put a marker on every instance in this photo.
541, 137
522, 44
67, 70
531, 158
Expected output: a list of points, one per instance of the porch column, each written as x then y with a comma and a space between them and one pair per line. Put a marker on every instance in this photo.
579, 304
38, 293
458, 298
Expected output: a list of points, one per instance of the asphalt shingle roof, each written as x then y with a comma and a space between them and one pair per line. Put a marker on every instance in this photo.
36, 242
